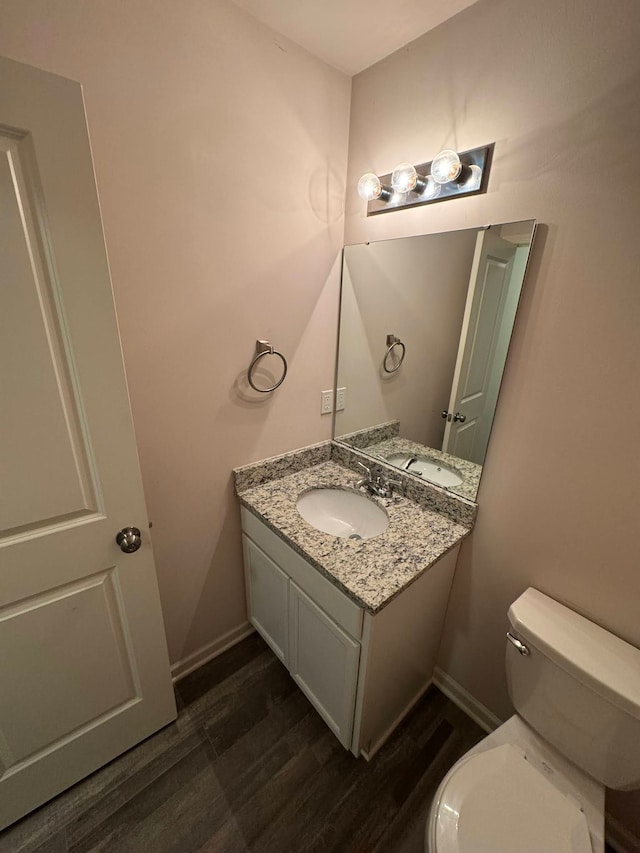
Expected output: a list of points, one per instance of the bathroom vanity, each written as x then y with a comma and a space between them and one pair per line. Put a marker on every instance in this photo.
425, 324
356, 623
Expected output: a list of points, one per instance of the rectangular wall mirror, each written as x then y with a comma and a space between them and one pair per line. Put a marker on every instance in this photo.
425, 325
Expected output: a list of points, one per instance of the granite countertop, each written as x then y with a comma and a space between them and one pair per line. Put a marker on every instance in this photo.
469, 471
370, 571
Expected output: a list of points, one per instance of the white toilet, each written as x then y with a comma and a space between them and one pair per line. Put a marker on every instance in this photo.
536, 784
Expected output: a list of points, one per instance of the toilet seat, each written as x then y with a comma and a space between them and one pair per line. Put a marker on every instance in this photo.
494, 801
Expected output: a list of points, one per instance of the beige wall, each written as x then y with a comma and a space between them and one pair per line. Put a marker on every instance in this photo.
220, 155
415, 289
557, 86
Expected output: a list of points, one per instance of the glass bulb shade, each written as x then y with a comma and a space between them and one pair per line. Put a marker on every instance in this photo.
404, 178
369, 187
446, 166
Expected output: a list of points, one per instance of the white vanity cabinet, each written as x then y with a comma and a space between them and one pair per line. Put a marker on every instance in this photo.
361, 671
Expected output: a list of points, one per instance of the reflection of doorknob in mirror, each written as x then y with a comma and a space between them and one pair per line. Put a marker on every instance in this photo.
459, 417
454, 327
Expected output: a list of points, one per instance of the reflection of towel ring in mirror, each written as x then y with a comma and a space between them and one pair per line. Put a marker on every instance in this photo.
393, 342
264, 348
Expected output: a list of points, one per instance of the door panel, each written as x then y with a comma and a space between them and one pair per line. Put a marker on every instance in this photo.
268, 599
324, 663
44, 470
84, 671
471, 394
40, 675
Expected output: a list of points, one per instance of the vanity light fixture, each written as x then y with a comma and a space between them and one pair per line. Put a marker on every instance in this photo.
449, 175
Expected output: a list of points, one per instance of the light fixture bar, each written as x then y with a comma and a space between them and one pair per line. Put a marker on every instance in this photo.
469, 182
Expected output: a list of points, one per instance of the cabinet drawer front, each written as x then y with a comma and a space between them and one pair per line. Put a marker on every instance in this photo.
267, 598
342, 609
323, 661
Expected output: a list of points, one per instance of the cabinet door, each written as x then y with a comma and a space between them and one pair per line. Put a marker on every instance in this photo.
267, 598
323, 661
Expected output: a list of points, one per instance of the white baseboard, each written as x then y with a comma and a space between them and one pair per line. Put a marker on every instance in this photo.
485, 718
211, 650
368, 754
620, 838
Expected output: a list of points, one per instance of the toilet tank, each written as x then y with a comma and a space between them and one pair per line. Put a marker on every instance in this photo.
579, 688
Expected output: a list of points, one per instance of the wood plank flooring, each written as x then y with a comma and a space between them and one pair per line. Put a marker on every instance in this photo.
250, 766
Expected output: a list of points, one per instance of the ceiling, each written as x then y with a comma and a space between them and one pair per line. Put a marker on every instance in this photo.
351, 35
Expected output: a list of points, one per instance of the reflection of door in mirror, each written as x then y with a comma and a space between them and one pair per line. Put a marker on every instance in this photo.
494, 290
451, 299
416, 290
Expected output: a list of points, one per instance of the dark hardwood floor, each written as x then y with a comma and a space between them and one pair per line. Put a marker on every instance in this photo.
250, 766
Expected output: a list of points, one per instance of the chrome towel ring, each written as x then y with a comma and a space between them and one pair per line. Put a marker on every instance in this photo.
393, 342
265, 348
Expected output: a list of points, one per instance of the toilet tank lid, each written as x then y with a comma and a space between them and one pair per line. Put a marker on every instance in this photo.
601, 661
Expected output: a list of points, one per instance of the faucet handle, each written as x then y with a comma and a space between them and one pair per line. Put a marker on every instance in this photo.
366, 470
386, 487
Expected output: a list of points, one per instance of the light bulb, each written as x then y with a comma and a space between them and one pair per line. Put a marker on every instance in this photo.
369, 187
446, 166
404, 178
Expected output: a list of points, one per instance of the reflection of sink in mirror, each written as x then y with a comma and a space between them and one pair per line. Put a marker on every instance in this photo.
451, 298
342, 513
432, 471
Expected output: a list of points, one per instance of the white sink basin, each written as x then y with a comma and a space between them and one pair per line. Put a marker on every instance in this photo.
435, 472
342, 513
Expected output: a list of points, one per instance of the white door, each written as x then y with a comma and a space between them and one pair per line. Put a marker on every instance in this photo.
482, 351
83, 663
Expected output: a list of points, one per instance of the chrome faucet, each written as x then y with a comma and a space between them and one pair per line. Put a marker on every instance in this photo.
410, 461
377, 484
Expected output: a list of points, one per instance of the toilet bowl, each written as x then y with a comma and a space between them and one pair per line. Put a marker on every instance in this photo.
536, 784
513, 793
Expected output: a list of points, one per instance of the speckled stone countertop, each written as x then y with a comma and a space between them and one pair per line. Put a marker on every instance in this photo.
469, 471
370, 435
370, 571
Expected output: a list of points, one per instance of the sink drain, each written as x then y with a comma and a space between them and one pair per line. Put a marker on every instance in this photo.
355, 536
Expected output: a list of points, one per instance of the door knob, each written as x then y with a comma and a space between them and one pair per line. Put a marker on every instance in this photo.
129, 539
447, 416
459, 417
